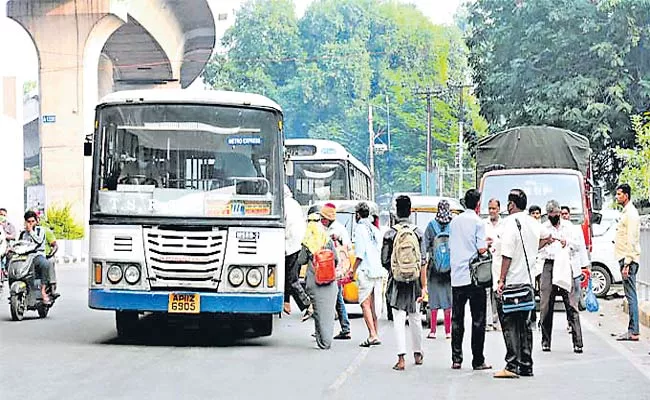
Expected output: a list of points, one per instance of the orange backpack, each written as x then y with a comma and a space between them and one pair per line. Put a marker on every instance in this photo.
324, 266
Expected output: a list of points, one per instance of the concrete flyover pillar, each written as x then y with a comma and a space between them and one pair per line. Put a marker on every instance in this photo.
11, 151
89, 48
62, 30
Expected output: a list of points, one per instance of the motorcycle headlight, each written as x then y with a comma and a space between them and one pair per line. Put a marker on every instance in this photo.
132, 274
236, 276
114, 273
254, 277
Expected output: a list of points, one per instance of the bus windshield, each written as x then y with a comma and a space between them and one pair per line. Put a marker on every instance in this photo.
539, 189
315, 181
185, 160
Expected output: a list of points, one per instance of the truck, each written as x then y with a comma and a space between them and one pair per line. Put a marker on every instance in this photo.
547, 163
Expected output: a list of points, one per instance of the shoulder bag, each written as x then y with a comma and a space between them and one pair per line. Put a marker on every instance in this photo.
520, 297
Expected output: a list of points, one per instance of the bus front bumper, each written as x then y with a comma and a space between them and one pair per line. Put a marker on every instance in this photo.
133, 300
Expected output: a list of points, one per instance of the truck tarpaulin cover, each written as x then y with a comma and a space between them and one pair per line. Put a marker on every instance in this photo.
533, 147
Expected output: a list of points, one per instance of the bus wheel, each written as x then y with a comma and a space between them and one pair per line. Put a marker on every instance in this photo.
126, 323
264, 326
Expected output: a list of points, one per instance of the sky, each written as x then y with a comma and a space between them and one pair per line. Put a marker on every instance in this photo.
24, 62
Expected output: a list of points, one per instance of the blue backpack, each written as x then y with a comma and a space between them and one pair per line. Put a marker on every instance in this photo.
439, 259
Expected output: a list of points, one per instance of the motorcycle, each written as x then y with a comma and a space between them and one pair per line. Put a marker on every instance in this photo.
24, 288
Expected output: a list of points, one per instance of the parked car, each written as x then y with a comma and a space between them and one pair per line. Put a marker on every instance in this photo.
605, 270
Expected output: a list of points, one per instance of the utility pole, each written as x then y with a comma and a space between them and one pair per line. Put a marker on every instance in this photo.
461, 127
428, 93
371, 149
461, 117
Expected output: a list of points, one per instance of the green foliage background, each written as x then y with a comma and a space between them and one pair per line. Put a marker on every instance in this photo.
326, 67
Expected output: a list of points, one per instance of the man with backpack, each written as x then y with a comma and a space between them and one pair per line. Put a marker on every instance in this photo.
466, 241
368, 268
403, 253
436, 239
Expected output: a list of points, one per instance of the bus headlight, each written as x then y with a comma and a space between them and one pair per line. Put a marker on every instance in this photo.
254, 277
132, 274
114, 273
236, 276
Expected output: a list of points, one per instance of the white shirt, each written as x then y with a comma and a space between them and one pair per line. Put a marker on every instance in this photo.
579, 255
563, 232
512, 247
338, 229
493, 232
296, 226
367, 247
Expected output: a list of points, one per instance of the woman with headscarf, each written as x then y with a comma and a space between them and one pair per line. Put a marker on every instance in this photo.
439, 284
323, 297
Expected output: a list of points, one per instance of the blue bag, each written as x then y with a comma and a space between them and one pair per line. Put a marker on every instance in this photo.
440, 261
590, 300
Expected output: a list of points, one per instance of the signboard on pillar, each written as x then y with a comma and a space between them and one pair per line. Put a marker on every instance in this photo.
49, 119
433, 183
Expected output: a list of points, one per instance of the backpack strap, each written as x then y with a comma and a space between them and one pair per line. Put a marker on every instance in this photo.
435, 227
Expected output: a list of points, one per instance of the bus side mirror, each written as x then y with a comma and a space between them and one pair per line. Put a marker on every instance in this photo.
596, 218
598, 198
88, 146
288, 167
88, 149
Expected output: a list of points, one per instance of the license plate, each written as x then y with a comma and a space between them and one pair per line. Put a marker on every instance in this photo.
184, 303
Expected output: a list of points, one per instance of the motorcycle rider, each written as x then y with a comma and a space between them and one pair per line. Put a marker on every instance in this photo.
47, 247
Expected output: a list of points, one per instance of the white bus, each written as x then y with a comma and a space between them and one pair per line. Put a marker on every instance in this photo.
186, 213
324, 170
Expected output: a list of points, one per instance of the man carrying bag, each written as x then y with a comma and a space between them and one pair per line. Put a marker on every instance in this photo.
515, 297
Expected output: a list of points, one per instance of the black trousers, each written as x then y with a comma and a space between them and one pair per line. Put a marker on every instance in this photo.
292, 286
477, 303
548, 291
518, 337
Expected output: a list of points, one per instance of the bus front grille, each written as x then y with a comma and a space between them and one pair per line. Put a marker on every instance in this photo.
191, 259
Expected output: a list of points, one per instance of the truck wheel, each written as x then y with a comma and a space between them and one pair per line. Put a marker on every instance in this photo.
17, 306
600, 280
126, 323
264, 326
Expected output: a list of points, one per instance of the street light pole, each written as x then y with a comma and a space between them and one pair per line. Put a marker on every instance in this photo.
388, 120
461, 118
461, 134
371, 148
428, 173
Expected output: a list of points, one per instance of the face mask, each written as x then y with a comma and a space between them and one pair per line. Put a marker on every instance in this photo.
555, 219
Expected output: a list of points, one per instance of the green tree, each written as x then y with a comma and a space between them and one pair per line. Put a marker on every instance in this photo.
576, 64
62, 224
28, 86
343, 55
636, 171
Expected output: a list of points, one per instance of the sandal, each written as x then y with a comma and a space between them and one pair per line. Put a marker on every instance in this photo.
419, 358
628, 337
343, 336
398, 367
368, 343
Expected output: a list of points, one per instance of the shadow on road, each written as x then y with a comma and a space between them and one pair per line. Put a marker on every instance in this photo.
161, 330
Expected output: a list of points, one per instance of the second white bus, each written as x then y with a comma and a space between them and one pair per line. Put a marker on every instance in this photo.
324, 170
